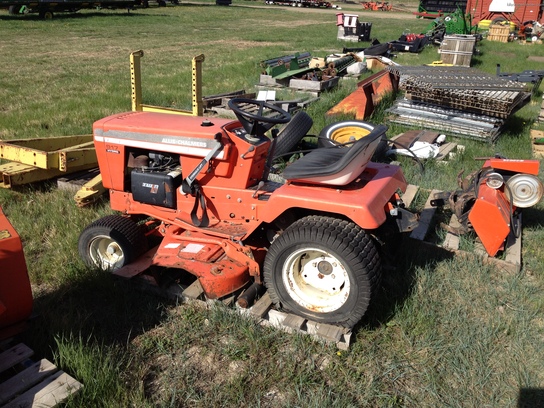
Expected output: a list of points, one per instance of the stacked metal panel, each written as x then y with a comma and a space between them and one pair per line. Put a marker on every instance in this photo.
458, 100
458, 123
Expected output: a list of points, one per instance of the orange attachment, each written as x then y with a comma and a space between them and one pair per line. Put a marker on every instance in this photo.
517, 166
490, 218
15, 291
368, 94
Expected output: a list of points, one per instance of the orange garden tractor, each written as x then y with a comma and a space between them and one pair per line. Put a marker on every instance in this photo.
199, 192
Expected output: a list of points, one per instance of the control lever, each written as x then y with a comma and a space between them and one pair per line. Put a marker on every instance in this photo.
274, 132
187, 184
259, 186
251, 148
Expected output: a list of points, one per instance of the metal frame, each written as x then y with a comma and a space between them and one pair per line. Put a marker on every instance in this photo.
136, 87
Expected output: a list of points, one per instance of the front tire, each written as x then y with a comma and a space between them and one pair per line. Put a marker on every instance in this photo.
324, 269
111, 242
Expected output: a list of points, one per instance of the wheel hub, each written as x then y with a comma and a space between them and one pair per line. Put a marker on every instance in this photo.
316, 280
106, 253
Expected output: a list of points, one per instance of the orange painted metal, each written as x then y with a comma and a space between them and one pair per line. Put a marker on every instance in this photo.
15, 291
490, 218
234, 210
516, 166
221, 266
370, 91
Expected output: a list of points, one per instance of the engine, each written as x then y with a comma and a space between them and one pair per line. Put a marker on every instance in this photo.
154, 178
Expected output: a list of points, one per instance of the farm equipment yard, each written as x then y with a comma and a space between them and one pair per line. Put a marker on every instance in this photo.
348, 214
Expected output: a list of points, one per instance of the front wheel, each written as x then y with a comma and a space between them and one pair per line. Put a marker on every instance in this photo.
323, 269
111, 242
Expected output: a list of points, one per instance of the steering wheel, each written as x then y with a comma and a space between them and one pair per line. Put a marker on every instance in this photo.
257, 122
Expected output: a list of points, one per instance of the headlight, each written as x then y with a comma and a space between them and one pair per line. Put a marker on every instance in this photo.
526, 190
494, 180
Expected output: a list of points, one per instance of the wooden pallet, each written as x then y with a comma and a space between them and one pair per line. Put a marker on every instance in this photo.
32, 383
512, 251
262, 310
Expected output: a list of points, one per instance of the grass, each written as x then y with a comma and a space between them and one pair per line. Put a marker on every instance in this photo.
444, 332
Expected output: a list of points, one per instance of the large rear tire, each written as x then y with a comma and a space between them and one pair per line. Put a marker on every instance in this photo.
324, 269
292, 133
111, 242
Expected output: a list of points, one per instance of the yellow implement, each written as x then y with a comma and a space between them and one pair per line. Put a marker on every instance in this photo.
136, 87
31, 160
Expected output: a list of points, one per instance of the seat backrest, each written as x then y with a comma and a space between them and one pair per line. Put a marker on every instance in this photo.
337, 165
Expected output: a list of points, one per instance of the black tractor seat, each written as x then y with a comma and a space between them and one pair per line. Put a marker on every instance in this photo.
338, 165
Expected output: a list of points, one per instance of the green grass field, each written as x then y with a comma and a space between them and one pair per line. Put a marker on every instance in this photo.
446, 331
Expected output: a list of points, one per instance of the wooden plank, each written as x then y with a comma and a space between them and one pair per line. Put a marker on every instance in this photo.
26, 379
425, 218
15, 355
451, 241
479, 249
513, 248
74, 181
276, 318
294, 322
194, 290
53, 390
410, 194
262, 306
445, 149
328, 331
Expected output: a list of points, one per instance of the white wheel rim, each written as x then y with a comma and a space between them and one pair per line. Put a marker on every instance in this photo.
106, 253
316, 280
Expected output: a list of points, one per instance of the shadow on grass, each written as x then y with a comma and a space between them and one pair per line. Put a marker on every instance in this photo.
400, 278
95, 306
531, 398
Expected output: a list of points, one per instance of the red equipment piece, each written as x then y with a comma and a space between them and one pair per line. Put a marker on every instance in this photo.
15, 291
518, 11
204, 185
377, 6
492, 199
502, 191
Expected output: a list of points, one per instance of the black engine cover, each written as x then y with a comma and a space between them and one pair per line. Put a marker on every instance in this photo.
157, 188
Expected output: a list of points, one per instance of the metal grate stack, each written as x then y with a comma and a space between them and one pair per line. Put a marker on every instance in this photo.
460, 100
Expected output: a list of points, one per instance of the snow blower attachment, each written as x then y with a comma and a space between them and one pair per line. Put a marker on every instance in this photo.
490, 200
200, 187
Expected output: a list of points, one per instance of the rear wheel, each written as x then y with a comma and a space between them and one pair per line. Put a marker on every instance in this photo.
324, 269
111, 242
